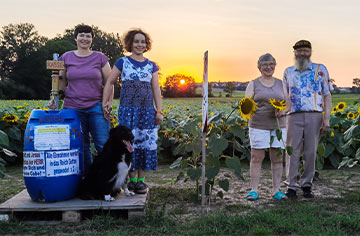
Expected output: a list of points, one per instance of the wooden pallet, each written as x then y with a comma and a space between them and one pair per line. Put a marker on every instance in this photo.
22, 207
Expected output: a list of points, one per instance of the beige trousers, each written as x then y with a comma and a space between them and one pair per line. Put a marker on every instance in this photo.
303, 131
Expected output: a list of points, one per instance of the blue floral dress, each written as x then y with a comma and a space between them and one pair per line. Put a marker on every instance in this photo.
137, 110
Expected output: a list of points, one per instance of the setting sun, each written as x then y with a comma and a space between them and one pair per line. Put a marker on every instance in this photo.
182, 81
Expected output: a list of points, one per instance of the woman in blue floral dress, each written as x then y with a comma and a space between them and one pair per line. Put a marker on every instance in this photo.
140, 89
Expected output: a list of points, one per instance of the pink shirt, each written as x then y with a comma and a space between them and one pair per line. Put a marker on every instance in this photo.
85, 81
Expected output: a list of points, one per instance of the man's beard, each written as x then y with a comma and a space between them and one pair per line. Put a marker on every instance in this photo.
301, 63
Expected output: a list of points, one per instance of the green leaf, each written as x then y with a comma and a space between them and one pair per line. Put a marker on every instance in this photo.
344, 162
211, 172
352, 132
329, 149
234, 163
357, 155
217, 145
224, 184
321, 150
4, 139
271, 140
176, 163
237, 131
212, 161
194, 174
334, 160
14, 133
238, 146
319, 162
289, 150
279, 152
190, 128
279, 134
215, 117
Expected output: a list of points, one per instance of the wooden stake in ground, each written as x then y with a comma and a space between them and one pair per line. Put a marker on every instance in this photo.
204, 126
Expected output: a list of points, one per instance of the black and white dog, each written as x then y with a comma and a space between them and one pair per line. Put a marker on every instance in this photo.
109, 170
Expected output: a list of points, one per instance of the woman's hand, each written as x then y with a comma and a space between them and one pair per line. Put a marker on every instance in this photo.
107, 109
279, 113
51, 104
158, 118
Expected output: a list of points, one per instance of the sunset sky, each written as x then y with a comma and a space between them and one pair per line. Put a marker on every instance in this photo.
235, 32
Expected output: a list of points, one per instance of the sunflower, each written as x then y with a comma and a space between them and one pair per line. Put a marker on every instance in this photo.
341, 106
114, 122
10, 118
281, 105
333, 110
27, 115
350, 115
247, 108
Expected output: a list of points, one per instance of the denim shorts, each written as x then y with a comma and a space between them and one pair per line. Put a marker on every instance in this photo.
260, 138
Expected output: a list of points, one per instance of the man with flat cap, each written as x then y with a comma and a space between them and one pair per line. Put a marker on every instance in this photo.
307, 90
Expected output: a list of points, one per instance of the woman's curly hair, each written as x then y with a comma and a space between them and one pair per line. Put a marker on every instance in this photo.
128, 39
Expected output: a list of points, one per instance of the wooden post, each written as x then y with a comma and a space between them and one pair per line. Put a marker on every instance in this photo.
55, 65
204, 128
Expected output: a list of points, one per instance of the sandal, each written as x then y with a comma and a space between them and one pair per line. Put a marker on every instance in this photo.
252, 196
280, 196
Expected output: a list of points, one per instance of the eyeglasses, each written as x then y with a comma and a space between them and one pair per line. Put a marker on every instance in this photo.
303, 51
268, 64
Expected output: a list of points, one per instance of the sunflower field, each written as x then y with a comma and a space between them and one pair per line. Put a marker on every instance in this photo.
180, 136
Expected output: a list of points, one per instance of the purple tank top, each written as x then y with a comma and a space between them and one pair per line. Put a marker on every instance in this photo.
85, 81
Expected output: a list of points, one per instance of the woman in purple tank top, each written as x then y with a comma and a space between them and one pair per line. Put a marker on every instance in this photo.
82, 80
263, 126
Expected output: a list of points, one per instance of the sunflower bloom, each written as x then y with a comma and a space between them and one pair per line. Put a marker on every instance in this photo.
10, 118
27, 115
280, 105
333, 110
247, 108
350, 115
114, 122
341, 106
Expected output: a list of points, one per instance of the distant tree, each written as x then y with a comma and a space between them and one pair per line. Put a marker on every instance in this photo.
179, 85
230, 88
210, 94
32, 75
17, 43
356, 87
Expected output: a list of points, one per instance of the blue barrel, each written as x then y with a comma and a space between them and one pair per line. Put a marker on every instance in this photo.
53, 155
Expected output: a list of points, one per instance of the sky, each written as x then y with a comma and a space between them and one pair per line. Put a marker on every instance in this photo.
234, 32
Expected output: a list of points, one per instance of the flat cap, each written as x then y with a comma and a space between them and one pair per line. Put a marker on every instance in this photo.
302, 44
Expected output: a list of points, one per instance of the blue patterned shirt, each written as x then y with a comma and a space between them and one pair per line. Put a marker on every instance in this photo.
305, 89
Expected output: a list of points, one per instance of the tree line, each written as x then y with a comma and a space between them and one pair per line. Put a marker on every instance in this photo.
23, 55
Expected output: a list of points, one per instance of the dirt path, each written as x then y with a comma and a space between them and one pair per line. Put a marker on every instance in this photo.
330, 184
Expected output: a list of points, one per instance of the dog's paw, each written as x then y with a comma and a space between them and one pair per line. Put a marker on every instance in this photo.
129, 193
108, 198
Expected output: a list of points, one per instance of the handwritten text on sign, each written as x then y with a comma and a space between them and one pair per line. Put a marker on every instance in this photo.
51, 137
61, 163
34, 164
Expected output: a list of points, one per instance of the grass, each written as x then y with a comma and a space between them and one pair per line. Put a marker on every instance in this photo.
172, 211
288, 218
